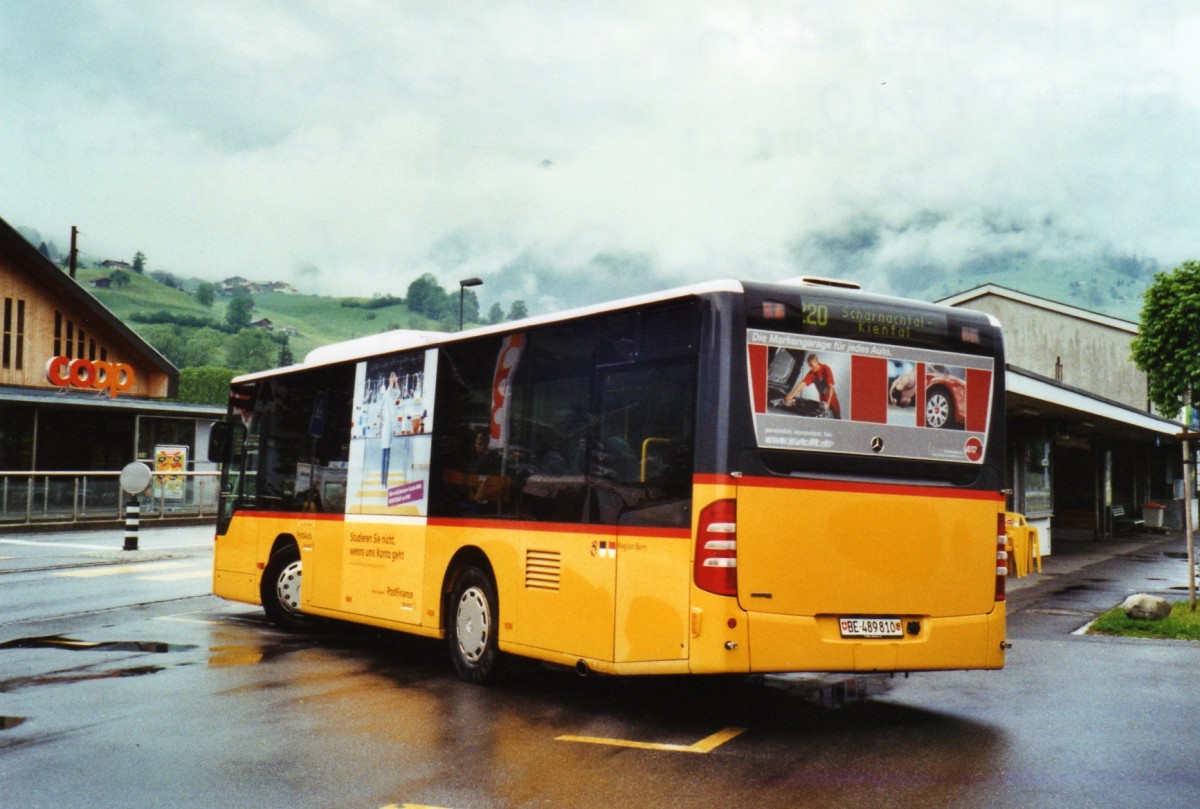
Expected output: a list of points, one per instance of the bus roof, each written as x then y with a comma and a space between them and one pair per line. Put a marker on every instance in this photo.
389, 342
400, 339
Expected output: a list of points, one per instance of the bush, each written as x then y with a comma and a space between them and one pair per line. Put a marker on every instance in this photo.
207, 384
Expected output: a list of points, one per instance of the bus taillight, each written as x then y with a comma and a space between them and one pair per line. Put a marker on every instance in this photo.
1001, 557
716, 548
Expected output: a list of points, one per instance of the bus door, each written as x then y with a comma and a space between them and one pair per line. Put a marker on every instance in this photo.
387, 487
643, 487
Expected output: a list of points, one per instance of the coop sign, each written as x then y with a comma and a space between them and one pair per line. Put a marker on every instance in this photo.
114, 377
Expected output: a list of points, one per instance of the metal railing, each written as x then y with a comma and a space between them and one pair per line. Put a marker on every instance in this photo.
76, 497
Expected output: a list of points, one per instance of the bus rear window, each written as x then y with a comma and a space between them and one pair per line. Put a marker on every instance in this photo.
869, 380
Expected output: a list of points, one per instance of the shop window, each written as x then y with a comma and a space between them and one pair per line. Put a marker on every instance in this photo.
16, 437
1036, 474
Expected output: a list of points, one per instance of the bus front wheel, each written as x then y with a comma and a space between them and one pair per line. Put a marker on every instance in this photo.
280, 589
472, 628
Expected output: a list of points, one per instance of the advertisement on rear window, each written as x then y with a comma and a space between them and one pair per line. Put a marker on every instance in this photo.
817, 394
391, 437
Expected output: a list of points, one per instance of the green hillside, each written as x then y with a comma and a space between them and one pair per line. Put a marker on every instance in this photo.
174, 322
193, 335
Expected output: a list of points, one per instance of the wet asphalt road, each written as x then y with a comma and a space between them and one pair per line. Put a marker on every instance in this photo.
191, 701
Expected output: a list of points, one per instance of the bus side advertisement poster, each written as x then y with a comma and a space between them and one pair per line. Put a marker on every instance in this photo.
819, 394
391, 439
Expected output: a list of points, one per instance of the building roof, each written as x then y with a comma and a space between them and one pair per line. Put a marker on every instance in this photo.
45, 397
1030, 394
962, 298
25, 258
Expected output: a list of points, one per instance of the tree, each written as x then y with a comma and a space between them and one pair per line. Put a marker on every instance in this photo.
237, 314
202, 347
251, 350
207, 384
168, 340
286, 357
139, 262
206, 293
119, 278
495, 314
426, 297
518, 311
1167, 347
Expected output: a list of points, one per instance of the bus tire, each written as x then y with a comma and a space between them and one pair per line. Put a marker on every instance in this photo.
280, 589
473, 626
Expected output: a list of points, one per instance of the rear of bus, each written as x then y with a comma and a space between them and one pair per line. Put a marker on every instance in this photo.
857, 517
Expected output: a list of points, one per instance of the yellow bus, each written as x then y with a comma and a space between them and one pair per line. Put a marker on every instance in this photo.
730, 477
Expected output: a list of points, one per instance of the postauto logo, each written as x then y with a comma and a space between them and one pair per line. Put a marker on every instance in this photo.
114, 377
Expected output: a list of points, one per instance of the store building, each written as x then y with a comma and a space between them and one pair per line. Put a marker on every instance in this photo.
1086, 453
79, 390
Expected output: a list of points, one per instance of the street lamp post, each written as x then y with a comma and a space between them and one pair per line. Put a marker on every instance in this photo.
462, 289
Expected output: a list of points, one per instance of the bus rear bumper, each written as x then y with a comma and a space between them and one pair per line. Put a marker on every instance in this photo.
781, 643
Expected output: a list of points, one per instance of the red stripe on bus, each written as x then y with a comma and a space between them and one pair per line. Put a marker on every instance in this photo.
290, 515
562, 528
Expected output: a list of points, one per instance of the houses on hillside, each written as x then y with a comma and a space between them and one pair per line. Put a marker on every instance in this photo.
235, 284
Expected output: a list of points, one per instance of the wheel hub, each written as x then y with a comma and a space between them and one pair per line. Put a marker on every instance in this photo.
473, 623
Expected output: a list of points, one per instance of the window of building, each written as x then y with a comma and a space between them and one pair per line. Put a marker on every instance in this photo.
12, 351
1037, 476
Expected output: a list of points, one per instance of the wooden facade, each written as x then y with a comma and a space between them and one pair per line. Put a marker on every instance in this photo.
46, 314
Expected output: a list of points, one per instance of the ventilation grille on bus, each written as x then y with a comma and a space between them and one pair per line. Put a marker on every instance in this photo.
667, 332
543, 569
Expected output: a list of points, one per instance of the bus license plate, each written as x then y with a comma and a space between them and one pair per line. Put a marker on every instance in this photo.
870, 627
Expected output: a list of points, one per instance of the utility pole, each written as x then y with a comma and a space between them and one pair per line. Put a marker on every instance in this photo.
1188, 462
71, 260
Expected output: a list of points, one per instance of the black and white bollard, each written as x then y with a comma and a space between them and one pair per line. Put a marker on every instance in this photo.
135, 478
133, 513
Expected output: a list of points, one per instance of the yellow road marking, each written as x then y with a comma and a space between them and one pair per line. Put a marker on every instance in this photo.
116, 570
706, 745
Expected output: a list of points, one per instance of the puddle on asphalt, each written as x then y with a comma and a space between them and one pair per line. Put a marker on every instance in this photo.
63, 643
73, 645
1175, 555
67, 678
1075, 588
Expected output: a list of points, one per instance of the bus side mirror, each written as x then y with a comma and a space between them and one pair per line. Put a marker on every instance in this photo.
220, 440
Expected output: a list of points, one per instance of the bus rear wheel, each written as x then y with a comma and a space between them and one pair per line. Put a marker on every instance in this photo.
472, 628
280, 589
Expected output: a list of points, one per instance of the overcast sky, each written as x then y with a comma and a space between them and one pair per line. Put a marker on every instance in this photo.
568, 152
